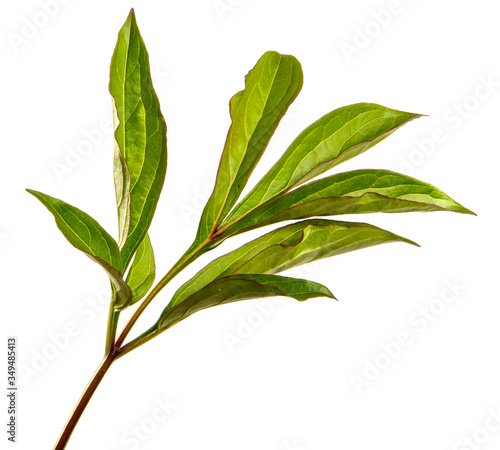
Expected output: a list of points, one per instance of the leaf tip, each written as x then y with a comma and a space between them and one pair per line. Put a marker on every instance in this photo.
34, 193
131, 21
458, 208
414, 116
398, 238
327, 293
409, 241
407, 117
465, 210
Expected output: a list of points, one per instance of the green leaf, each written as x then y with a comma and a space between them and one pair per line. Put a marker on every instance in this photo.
140, 159
142, 272
87, 235
288, 247
270, 88
355, 192
234, 288
335, 138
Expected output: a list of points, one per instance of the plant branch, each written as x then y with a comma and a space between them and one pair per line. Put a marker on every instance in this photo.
114, 350
84, 400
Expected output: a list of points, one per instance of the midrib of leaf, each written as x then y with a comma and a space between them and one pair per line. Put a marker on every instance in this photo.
286, 189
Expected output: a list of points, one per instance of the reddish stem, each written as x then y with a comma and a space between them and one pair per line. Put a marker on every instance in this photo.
84, 400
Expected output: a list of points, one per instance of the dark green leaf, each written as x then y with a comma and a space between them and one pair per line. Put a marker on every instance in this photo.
288, 247
356, 192
234, 288
140, 136
336, 137
87, 235
142, 272
270, 88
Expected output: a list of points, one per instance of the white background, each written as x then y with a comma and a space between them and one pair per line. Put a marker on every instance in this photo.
288, 380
